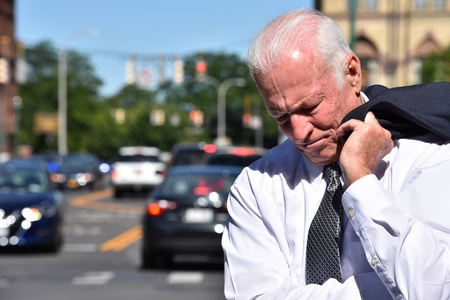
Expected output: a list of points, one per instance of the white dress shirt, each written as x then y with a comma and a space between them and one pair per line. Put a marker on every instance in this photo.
396, 239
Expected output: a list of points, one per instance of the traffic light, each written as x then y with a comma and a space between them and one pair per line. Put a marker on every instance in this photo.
196, 117
4, 71
130, 72
119, 116
157, 117
201, 68
178, 71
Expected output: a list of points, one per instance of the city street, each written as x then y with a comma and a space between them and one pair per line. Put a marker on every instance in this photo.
100, 259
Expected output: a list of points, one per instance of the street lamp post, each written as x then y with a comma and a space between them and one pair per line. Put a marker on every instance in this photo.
17, 106
221, 106
222, 88
62, 87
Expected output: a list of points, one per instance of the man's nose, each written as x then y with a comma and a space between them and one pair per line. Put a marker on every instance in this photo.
301, 127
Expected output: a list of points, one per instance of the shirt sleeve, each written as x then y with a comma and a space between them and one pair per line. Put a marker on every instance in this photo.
405, 235
257, 255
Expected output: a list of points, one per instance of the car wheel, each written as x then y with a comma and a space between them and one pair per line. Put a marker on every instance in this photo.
118, 193
152, 259
54, 245
156, 261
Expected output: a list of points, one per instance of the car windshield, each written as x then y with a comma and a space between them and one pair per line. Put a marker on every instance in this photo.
233, 160
195, 185
139, 158
190, 157
33, 181
74, 165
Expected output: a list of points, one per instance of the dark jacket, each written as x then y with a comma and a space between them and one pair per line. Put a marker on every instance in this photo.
410, 111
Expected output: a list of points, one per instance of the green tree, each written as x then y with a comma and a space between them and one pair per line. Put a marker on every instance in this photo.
40, 94
193, 94
436, 66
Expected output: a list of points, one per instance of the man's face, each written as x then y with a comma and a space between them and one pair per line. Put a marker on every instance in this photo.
307, 106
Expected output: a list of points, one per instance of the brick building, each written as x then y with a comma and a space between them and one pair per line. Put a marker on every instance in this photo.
392, 36
8, 79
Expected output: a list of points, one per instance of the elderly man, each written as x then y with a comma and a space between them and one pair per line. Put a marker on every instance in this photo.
339, 210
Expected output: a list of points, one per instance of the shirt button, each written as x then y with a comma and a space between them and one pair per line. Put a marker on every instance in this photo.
373, 261
351, 213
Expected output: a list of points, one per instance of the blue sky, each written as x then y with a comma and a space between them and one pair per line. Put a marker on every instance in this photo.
148, 28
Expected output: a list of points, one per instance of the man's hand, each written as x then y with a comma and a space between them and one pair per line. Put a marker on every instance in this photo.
364, 149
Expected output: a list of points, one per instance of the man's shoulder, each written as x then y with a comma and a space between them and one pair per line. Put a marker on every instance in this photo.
283, 160
279, 156
425, 151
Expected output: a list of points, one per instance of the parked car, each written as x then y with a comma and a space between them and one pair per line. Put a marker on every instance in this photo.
210, 154
77, 171
138, 169
187, 213
31, 211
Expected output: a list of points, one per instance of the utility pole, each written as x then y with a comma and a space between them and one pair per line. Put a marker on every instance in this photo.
352, 8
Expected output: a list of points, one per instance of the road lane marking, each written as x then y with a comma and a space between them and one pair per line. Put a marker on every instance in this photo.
123, 240
115, 207
185, 277
83, 200
93, 278
89, 201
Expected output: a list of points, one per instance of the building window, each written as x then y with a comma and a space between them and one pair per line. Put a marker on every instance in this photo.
440, 4
421, 4
371, 5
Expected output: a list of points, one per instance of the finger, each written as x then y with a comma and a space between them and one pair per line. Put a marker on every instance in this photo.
348, 126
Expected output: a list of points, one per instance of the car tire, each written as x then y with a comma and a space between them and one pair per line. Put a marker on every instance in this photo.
118, 193
153, 259
156, 261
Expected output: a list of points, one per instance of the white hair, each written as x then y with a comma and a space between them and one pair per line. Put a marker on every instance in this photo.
294, 31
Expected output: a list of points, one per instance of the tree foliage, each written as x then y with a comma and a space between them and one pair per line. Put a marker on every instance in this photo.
436, 66
92, 123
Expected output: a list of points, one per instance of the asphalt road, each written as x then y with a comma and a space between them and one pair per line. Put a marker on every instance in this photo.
100, 260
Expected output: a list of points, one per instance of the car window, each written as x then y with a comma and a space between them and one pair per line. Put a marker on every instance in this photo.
195, 185
138, 158
232, 160
189, 157
34, 181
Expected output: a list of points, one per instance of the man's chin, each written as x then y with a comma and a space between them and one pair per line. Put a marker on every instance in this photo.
324, 157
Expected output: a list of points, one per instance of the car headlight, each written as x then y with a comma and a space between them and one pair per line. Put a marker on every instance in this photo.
58, 178
31, 214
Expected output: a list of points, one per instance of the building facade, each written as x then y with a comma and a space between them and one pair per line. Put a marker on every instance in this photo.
8, 79
391, 37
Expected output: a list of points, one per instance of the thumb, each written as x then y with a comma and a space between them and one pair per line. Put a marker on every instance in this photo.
370, 118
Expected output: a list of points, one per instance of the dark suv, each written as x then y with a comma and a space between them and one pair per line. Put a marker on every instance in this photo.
211, 154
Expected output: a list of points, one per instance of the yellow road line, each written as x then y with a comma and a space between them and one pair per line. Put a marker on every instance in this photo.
89, 201
123, 240
83, 200
115, 207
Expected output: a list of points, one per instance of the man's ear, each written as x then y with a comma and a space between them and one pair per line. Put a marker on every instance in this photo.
353, 72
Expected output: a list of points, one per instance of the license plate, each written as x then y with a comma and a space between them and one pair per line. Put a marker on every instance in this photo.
198, 215
72, 184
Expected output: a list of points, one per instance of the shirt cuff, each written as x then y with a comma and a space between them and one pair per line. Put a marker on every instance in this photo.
363, 199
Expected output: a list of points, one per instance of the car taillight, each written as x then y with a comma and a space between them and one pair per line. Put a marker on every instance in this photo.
210, 148
114, 174
241, 151
157, 208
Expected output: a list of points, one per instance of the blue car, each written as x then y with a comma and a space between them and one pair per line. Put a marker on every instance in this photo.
31, 211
